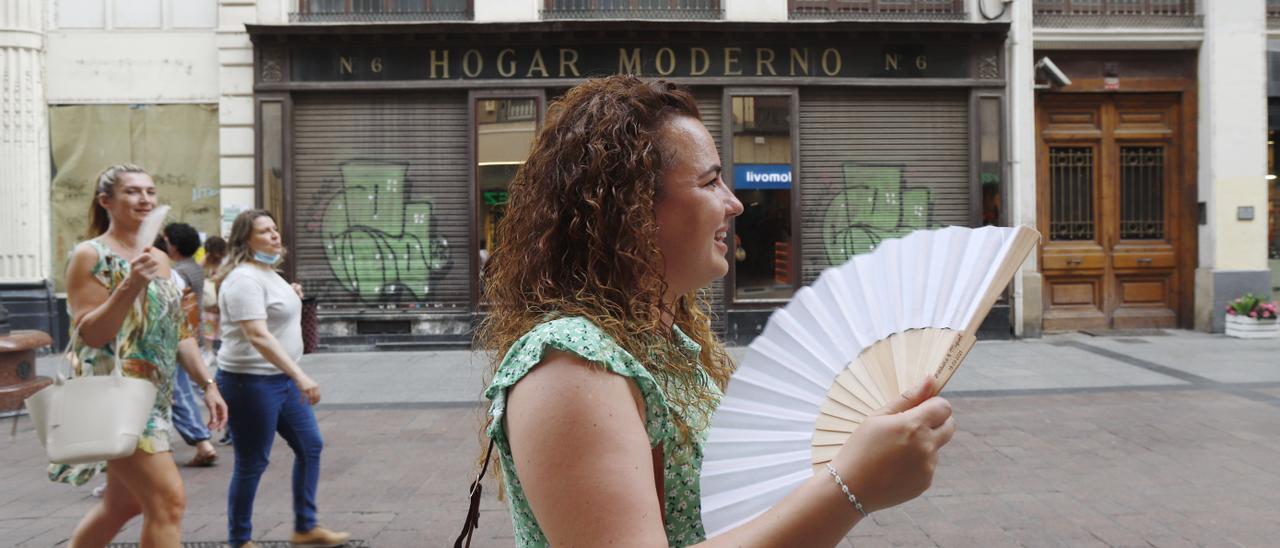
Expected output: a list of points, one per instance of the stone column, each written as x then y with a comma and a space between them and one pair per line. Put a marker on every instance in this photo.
1027, 296
1232, 135
24, 145
235, 101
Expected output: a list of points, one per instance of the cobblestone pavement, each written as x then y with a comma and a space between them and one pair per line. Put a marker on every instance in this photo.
1063, 441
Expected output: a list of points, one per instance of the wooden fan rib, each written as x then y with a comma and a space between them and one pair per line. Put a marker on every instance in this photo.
827, 438
836, 424
849, 381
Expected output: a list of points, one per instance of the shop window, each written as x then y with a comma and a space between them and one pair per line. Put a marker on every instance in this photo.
505, 129
271, 118
178, 144
990, 172
762, 180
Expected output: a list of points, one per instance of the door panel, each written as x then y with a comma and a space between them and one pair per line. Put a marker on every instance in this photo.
1107, 188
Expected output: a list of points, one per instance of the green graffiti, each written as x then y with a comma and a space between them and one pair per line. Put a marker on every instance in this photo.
874, 204
378, 241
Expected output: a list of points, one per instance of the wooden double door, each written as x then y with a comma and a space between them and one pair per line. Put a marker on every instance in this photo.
1109, 184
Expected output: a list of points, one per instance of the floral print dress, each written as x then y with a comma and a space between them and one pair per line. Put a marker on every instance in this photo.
682, 457
148, 348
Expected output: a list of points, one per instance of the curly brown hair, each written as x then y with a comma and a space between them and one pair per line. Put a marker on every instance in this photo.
579, 237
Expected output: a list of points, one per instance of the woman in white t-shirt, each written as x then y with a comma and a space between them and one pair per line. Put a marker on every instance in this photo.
260, 318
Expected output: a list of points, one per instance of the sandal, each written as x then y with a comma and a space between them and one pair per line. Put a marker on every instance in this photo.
203, 461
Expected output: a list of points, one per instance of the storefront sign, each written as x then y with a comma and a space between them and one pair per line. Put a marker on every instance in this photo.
762, 176
498, 63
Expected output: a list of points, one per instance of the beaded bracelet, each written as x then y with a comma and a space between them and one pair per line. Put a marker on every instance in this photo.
845, 489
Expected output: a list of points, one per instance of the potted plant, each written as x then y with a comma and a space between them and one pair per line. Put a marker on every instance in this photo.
1249, 317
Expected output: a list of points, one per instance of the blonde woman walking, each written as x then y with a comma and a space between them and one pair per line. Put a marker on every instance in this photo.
121, 291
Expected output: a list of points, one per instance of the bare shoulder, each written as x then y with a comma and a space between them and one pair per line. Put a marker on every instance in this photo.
83, 257
568, 379
84, 251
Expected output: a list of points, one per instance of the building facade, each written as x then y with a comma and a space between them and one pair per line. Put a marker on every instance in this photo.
93, 83
384, 132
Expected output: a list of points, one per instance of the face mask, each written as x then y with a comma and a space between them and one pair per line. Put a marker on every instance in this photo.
264, 258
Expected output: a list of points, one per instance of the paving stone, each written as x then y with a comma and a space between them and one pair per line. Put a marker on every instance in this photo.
1078, 449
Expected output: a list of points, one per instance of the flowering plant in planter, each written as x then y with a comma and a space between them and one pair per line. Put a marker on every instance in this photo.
1252, 306
1249, 317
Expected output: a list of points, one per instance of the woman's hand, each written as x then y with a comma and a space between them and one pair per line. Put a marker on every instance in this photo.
310, 390
891, 458
144, 268
217, 407
297, 288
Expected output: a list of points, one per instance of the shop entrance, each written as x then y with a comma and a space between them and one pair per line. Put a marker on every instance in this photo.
1109, 187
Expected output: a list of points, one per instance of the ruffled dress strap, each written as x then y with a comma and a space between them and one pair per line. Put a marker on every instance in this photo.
580, 337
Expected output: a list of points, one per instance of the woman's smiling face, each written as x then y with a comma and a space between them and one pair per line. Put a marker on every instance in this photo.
693, 208
131, 199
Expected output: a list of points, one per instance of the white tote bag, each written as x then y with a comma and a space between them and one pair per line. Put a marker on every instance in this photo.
91, 418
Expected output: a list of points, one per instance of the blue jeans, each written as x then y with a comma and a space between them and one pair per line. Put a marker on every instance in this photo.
258, 406
186, 410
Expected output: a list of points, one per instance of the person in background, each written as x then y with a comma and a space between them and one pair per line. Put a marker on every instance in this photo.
124, 301
267, 392
215, 249
181, 241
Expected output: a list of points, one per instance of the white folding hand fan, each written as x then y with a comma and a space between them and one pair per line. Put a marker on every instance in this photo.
149, 230
860, 335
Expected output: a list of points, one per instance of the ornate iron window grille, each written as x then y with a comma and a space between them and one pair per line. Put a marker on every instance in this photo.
376, 11
878, 10
1116, 13
1142, 193
1071, 189
632, 9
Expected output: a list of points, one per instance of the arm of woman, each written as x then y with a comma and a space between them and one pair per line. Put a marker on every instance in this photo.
97, 312
272, 351
190, 359
578, 441
579, 444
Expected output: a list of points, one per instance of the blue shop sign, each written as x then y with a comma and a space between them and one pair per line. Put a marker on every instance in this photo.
762, 176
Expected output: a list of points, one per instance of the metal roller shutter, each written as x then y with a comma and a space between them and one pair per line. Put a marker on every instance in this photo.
877, 165
382, 202
709, 105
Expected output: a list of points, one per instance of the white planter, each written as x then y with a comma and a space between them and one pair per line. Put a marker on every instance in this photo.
1244, 327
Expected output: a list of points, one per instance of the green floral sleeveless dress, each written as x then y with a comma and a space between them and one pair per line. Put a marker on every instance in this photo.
682, 458
148, 347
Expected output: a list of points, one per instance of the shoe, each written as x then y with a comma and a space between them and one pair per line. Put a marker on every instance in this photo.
250, 544
203, 461
97, 491
319, 537
225, 439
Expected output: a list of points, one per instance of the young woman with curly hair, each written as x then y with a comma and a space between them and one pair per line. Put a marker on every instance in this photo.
606, 371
